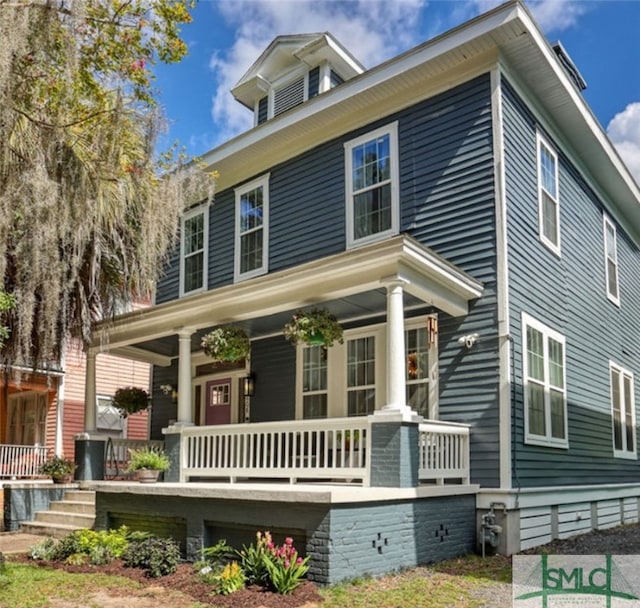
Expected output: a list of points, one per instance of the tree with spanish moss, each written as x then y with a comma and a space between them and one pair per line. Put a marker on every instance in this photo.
88, 211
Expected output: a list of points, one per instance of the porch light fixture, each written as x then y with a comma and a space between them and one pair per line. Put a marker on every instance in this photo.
469, 340
249, 385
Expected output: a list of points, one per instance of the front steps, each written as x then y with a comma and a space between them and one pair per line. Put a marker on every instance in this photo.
76, 511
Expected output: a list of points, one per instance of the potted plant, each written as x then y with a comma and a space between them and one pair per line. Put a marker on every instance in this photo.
131, 400
314, 327
59, 468
226, 343
147, 463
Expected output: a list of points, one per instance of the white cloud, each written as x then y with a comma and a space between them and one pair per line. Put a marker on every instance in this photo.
372, 31
624, 131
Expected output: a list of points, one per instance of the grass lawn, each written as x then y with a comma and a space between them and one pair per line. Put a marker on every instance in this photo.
469, 582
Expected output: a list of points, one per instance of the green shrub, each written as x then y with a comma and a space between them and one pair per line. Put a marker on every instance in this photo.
231, 579
156, 556
45, 549
252, 559
286, 568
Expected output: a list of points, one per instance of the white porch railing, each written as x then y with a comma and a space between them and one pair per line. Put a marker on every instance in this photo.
21, 461
335, 448
116, 454
443, 451
332, 448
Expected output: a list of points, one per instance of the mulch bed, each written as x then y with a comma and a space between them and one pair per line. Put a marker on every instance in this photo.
187, 581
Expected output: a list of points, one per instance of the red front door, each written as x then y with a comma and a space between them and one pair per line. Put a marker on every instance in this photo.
218, 402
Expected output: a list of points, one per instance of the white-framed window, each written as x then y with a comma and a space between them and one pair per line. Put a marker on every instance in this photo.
545, 394
422, 359
252, 229
349, 380
194, 240
108, 419
314, 382
548, 198
623, 412
611, 260
372, 186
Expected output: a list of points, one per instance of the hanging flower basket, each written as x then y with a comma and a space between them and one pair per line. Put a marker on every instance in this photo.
131, 400
317, 327
227, 343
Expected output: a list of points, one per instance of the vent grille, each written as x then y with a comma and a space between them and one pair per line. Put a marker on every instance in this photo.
288, 97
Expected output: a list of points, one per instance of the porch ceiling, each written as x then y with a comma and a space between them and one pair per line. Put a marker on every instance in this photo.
351, 284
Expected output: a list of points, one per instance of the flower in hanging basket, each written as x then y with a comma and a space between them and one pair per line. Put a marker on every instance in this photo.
226, 343
314, 327
131, 400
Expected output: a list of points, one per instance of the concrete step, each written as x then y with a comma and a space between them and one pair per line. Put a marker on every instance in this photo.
73, 506
77, 520
45, 529
76, 511
80, 496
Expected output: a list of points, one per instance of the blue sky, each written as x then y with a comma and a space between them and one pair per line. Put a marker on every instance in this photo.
227, 36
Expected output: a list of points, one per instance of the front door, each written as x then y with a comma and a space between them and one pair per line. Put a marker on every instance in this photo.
218, 402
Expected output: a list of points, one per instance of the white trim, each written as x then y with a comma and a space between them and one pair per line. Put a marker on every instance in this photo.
502, 275
547, 333
542, 142
606, 222
394, 178
204, 211
623, 374
431, 279
261, 182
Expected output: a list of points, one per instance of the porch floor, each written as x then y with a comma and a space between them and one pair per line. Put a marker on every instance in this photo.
265, 491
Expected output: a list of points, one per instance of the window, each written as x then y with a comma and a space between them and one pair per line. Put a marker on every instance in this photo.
108, 419
193, 251
372, 186
545, 397
252, 229
548, 201
314, 382
417, 348
623, 413
27, 415
361, 376
611, 261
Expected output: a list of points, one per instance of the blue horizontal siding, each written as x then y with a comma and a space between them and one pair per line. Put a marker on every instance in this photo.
568, 294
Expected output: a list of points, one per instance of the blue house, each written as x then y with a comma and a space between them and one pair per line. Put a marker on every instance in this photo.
461, 212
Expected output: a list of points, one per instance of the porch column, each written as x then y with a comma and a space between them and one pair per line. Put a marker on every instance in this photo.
90, 393
396, 356
184, 415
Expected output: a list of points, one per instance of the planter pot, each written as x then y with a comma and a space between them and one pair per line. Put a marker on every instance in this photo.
147, 475
316, 339
66, 478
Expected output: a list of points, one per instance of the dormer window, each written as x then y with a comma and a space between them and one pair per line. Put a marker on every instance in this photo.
292, 70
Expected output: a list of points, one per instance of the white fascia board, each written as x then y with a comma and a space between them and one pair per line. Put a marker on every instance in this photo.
144, 356
361, 84
340, 275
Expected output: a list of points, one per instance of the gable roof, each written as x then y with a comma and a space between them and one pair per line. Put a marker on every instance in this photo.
506, 36
285, 54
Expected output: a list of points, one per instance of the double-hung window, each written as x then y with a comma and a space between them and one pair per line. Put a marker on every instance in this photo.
420, 358
314, 382
623, 413
611, 261
252, 229
193, 251
372, 189
545, 395
548, 199
361, 376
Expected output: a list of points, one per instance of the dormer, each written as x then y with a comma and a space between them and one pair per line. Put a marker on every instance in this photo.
293, 69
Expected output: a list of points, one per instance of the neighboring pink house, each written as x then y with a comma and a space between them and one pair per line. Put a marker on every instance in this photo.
111, 373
